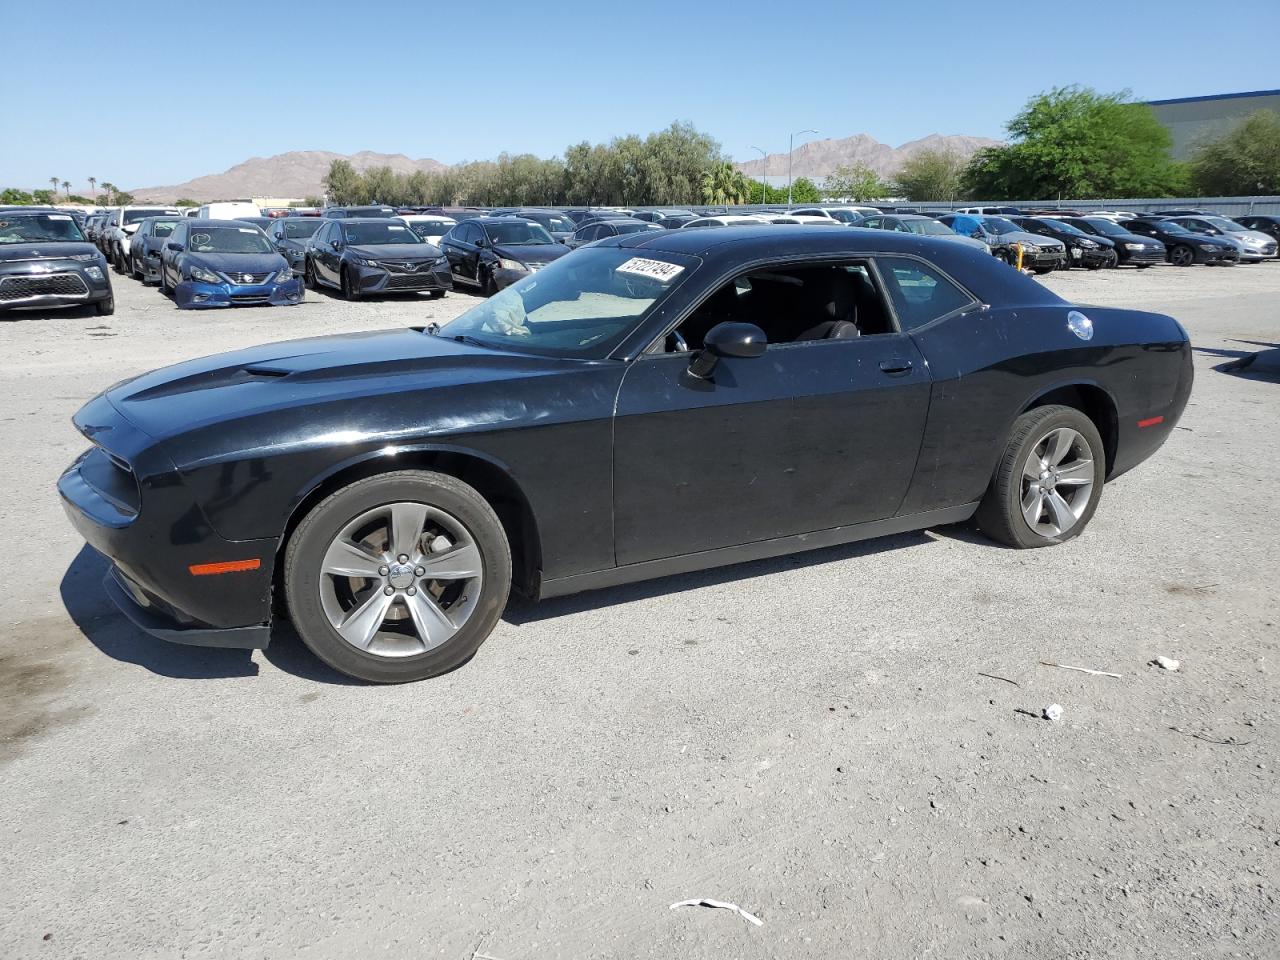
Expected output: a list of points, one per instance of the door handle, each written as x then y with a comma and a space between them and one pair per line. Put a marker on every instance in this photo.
896, 366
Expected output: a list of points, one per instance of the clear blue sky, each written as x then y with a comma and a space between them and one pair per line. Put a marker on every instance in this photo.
153, 93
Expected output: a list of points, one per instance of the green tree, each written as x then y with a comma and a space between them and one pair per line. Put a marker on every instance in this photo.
313, 202
855, 181
15, 197
66, 188
43, 197
723, 183
123, 197
931, 175
93, 185
1072, 143
55, 181
108, 188
1243, 162
343, 184
186, 202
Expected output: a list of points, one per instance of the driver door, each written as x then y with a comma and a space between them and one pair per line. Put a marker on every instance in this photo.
813, 434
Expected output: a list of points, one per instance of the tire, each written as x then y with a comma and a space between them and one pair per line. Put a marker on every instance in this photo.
435, 294
309, 276
393, 649
1182, 255
1044, 270
117, 261
105, 308
165, 290
1144, 266
348, 291
488, 286
1017, 489
1008, 257
134, 272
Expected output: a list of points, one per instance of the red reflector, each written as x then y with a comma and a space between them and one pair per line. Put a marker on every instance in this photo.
226, 566
1150, 421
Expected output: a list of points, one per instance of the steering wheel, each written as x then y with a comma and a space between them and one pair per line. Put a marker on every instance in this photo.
678, 342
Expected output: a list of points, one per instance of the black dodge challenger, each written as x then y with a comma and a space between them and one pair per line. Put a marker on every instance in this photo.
651, 405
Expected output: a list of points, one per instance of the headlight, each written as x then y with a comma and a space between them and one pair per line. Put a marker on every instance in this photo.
506, 264
95, 273
1135, 246
1088, 244
442, 261
367, 263
285, 275
1208, 246
84, 257
203, 275
1030, 248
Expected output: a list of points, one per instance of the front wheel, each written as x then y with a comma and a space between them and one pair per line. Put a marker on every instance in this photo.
348, 289
398, 577
1182, 256
1048, 483
309, 276
105, 308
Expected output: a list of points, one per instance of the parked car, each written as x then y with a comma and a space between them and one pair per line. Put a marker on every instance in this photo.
1177, 213
92, 225
1083, 250
1268, 223
553, 221
429, 227
1040, 254
582, 215
113, 240
1253, 245
341, 213
46, 262
224, 263
227, 210
923, 226
676, 220
146, 245
1182, 247
289, 235
802, 219
845, 214
724, 220
260, 222
1131, 248
494, 252
651, 405
664, 213
594, 230
370, 255
993, 211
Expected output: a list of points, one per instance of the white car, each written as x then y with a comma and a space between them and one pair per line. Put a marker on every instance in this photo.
852, 215
429, 227
801, 218
228, 210
1254, 245
727, 220
120, 227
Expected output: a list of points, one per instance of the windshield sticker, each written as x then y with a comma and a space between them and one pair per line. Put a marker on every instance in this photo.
658, 270
246, 230
394, 227
199, 238
59, 216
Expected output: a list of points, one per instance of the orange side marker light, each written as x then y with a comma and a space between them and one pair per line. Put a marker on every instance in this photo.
226, 566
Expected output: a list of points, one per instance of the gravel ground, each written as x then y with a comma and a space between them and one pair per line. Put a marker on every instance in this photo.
811, 738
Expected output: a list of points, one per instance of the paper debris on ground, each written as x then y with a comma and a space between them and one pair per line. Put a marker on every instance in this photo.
1167, 663
1095, 673
1053, 712
720, 905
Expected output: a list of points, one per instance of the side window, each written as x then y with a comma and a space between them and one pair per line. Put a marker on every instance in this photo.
875, 222
920, 294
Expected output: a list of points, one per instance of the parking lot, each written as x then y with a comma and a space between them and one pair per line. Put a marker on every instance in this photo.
846, 743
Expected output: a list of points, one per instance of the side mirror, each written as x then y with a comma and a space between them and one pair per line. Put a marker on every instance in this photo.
337, 244
727, 340
481, 242
175, 247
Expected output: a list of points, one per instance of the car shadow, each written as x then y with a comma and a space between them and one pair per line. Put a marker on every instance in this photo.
1261, 364
521, 611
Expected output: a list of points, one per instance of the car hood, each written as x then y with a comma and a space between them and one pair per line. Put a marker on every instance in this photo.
1022, 236
532, 252
396, 251
301, 374
45, 251
240, 262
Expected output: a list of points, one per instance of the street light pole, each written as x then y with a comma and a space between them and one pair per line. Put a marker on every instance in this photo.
791, 146
764, 172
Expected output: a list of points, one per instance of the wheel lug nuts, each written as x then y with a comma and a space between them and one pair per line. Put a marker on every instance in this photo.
412, 591
419, 571
383, 571
403, 558
389, 591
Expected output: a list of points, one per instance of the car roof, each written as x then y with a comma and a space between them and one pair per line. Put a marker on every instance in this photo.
751, 240
346, 220
210, 222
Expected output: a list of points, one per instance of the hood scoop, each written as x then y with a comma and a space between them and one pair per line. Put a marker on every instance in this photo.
212, 380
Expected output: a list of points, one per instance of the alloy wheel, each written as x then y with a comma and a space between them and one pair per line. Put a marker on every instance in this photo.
1182, 256
401, 579
1057, 482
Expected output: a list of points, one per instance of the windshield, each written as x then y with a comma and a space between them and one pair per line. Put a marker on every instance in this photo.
162, 228
373, 234
431, 228
931, 227
579, 306
1230, 226
370, 212
133, 216
999, 225
518, 233
1106, 227
229, 240
1171, 227
299, 228
845, 216
41, 228
1061, 226
634, 227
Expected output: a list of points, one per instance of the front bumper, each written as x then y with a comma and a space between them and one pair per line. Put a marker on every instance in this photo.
427, 278
1217, 255
56, 284
1096, 257
503, 278
1148, 254
195, 295
130, 505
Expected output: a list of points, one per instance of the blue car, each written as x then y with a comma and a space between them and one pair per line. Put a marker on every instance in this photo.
225, 263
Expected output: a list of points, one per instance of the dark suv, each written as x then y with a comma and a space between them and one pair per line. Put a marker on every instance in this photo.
45, 261
374, 255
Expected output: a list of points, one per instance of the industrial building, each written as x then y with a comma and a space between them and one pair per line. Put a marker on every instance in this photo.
1192, 120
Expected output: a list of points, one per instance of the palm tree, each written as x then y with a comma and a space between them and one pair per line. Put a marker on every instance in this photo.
108, 188
55, 181
93, 191
66, 188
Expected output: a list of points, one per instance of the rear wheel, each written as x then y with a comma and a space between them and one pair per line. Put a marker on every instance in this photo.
1048, 483
1182, 256
398, 577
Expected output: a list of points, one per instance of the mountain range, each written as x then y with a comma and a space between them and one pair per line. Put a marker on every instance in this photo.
819, 158
300, 173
